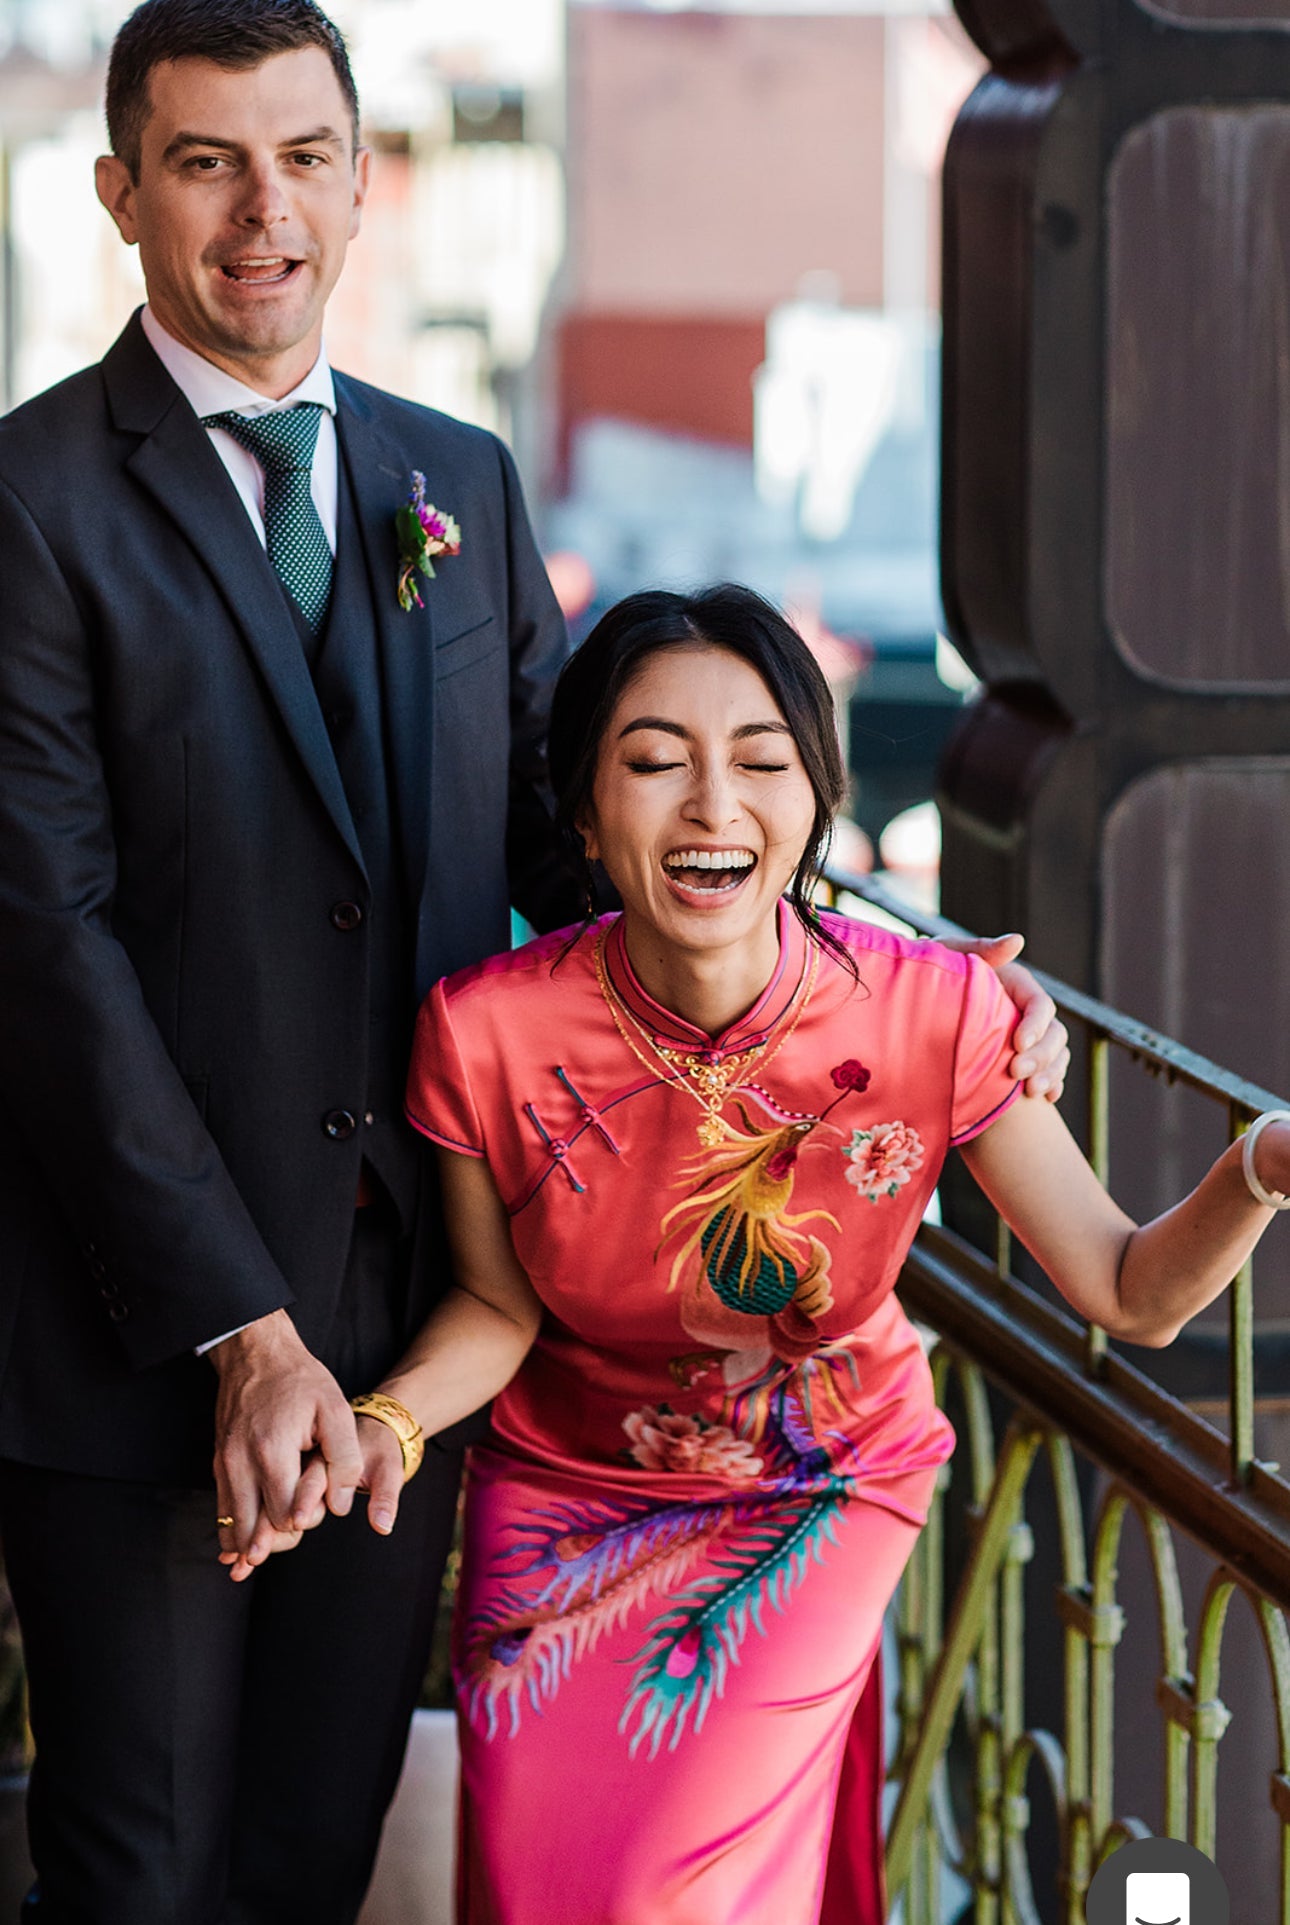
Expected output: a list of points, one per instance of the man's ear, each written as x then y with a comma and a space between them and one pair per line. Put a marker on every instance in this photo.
115, 185
362, 185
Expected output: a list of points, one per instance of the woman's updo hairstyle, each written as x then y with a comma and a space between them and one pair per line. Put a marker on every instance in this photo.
727, 616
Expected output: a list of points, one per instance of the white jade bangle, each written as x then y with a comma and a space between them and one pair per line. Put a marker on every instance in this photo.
1271, 1199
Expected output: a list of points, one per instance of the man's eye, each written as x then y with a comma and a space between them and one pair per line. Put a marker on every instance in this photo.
308, 160
206, 163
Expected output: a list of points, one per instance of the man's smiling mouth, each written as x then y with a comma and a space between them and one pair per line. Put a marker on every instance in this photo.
260, 269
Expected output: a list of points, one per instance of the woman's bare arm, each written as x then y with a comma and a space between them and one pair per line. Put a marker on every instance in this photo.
475, 1340
1142, 1284
468, 1349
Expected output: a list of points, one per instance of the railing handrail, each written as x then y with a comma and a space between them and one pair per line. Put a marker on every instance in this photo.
1175, 1062
1147, 1439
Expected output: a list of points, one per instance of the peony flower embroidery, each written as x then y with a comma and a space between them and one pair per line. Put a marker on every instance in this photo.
663, 1440
883, 1159
424, 532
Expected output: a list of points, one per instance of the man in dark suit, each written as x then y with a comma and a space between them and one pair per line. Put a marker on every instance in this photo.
250, 808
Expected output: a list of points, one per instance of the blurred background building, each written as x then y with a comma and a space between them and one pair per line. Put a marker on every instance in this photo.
683, 257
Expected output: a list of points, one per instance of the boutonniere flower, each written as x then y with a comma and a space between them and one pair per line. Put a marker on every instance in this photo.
424, 532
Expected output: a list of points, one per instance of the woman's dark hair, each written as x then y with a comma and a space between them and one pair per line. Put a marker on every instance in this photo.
726, 616
236, 34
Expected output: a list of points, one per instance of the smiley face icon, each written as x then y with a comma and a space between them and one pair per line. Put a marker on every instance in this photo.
1157, 1898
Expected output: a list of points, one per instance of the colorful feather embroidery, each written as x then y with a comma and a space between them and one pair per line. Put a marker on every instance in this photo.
684, 1663
590, 1567
576, 1572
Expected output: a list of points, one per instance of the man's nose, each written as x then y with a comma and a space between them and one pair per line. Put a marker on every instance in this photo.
263, 203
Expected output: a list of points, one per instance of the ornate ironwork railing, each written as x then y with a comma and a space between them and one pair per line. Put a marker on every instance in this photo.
1034, 1386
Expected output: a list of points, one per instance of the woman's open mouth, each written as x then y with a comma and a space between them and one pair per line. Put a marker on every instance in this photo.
705, 873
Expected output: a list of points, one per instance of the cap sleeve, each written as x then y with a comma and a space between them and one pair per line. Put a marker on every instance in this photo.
440, 1100
983, 1087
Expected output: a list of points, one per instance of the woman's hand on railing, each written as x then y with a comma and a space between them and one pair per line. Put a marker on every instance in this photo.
1041, 1043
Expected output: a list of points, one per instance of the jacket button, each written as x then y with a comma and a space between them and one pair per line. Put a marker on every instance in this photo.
119, 1312
346, 915
339, 1125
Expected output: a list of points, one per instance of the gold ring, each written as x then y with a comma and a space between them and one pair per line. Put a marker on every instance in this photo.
225, 1523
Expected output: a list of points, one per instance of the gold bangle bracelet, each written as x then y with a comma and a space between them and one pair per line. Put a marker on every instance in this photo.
398, 1418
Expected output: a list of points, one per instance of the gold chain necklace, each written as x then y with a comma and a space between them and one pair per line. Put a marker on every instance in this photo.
708, 1082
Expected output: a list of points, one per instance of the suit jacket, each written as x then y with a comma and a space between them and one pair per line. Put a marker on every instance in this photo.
184, 990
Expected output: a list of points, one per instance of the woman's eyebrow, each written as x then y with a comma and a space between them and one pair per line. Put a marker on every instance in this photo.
741, 734
654, 722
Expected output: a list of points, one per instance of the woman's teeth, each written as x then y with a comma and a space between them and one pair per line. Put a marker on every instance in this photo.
711, 859
709, 869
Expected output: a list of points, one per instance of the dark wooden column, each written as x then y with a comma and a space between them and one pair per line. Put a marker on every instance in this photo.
1116, 513
1116, 567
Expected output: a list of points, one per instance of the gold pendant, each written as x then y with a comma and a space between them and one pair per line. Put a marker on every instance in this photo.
711, 1132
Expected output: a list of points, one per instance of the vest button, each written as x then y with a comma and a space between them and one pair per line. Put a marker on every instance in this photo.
339, 1125
346, 915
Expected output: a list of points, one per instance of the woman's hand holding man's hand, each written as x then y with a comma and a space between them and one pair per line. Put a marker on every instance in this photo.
381, 1477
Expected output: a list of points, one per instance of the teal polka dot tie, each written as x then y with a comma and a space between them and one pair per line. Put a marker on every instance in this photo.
283, 443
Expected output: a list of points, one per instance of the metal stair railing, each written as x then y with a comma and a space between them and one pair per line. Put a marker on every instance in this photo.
1068, 1398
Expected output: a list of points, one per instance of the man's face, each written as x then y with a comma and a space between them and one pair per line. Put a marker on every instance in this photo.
248, 195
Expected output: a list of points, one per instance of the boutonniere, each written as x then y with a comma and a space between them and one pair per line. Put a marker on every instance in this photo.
424, 532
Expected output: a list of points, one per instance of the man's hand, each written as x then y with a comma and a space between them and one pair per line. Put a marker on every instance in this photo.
381, 1477
1042, 1056
278, 1406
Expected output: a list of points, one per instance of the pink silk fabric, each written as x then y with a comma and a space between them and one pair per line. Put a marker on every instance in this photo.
705, 1480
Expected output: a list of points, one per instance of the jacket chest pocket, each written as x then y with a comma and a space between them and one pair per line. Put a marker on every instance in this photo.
474, 642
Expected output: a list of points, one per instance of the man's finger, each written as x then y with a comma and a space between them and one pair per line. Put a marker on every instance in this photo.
998, 951
309, 1506
225, 1511
1052, 1080
1039, 1033
238, 1496
338, 1442
276, 1468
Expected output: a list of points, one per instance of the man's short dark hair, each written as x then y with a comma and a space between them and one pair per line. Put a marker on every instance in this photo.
237, 34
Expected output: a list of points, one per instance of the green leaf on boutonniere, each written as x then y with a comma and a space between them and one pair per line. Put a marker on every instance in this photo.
424, 531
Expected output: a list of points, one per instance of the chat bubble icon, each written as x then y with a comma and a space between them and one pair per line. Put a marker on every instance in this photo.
1157, 1898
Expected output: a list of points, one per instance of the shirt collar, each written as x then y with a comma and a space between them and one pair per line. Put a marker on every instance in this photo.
209, 390
751, 1029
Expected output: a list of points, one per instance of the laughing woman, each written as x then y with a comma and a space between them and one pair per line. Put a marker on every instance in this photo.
685, 1150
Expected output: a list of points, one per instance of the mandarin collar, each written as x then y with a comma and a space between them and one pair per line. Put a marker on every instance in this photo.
750, 1029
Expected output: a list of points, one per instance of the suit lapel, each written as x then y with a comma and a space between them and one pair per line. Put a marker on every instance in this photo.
380, 480
175, 462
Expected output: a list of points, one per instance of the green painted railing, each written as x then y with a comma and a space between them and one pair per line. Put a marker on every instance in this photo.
1034, 1386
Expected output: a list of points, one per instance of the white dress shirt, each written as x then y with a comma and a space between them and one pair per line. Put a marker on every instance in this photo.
211, 391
